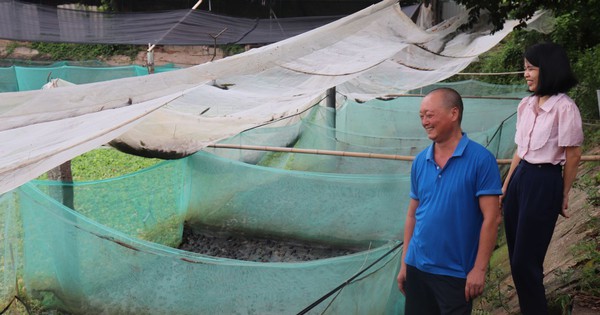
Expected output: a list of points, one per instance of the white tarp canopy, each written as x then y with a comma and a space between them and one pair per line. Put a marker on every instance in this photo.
372, 53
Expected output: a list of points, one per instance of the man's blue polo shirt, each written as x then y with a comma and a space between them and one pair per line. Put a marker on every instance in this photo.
448, 219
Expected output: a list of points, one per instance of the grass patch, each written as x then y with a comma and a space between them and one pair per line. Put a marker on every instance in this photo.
494, 296
104, 163
587, 253
11, 47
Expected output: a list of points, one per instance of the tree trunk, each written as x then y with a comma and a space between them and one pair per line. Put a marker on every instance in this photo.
62, 193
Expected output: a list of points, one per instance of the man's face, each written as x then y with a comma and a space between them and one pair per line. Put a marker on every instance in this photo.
436, 118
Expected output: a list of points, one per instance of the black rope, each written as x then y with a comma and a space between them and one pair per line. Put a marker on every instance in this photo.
341, 286
356, 280
499, 130
283, 118
15, 298
256, 21
8, 305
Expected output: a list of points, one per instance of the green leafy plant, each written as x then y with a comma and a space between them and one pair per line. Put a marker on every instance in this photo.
10, 48
106, 5
588, 252
232, 49
560, 304
508, 57
106, 163
505, 57
67, 51
588, 176
494, 296
587, 70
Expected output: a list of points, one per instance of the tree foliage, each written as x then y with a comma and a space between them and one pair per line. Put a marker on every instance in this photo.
576, 29
577, 19
500, 11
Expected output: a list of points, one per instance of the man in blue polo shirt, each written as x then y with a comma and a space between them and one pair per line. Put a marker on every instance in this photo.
453, 214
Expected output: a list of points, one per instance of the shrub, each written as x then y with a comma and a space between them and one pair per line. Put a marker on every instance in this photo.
587, 70
81, 52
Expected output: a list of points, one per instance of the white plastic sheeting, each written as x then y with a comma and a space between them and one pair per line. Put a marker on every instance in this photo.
375, 52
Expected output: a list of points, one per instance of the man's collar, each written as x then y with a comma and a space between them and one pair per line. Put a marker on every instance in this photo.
460, 148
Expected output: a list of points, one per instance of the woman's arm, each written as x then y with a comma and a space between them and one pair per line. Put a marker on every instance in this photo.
573, 155
513, 164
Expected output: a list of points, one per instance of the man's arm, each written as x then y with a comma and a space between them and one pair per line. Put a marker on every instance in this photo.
409, 227
489, 205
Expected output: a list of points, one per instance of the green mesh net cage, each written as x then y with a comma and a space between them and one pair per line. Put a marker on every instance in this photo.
115, 250
25, 78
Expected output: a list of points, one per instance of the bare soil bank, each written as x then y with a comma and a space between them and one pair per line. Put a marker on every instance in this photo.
183, 56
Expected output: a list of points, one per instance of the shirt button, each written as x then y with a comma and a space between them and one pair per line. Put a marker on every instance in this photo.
440, 176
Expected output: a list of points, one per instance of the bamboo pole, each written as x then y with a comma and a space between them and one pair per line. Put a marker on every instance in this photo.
462, 96
313, 151
585, 158
151, 47
197, 5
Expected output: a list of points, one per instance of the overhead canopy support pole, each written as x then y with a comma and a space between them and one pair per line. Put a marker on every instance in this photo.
331, 97
330, 104
150, 60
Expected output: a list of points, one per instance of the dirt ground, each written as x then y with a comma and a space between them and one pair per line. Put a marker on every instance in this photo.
182, 56
256, 249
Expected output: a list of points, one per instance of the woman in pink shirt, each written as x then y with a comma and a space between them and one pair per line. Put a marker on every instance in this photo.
536, 190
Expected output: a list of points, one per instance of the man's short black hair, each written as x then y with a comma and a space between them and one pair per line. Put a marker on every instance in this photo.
555, 75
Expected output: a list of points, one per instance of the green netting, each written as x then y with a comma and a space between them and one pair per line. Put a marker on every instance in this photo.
477, 88
149, 204
20, 78
8, 80
10, 247
78, 262
322, 207
349, 196
114, 251
7, 62
377, 126
77, 265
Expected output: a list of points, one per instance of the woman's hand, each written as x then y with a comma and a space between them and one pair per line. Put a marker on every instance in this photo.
565, 206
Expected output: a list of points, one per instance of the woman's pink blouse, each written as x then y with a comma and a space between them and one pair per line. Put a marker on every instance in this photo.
544, 132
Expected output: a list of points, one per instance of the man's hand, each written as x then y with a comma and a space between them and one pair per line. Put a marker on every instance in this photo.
402, 278
475, 284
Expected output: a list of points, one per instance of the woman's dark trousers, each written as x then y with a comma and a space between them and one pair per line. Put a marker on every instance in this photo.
531, 206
